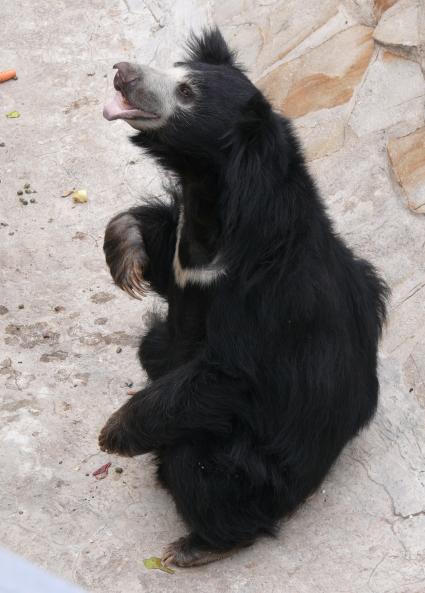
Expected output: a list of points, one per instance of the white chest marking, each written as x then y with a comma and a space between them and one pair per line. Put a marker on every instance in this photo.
202, 275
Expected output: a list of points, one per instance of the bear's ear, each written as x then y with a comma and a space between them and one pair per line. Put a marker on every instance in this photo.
209, 47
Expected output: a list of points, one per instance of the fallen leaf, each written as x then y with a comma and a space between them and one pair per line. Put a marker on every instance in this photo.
154, 562
102, 471
80, 196
67, 193
13, 114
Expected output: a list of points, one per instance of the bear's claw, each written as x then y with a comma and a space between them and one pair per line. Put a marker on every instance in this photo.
112, 437
186, 552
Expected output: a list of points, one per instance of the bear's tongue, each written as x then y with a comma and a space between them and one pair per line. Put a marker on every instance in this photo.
118, 108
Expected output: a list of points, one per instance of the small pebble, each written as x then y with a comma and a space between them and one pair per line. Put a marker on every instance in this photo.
119, 470
21, 512
60, 462
27, 185
90, 73
59, 308
129, 383
32, 200
131, 162
20, 192
2, 144
118, 350
23, 201
28, 191
100, 320
20, 306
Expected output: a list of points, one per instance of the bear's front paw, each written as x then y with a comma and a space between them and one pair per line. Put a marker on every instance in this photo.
125, 254
114, 438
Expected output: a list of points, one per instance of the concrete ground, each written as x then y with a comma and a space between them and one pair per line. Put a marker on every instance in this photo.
68, 337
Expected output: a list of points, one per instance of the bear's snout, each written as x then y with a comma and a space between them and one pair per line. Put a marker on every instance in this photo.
126, 73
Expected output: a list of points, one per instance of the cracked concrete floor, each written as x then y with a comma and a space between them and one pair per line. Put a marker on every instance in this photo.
68, 337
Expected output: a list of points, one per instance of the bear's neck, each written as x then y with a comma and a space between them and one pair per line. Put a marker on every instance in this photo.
199, 228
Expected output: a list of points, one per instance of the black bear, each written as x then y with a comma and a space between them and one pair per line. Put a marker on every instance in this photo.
266, 364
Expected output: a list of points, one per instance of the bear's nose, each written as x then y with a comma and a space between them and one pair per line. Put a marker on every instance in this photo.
126, 73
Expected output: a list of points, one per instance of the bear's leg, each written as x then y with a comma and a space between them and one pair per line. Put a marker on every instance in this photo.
139, 247
223, 511
192, 398
154, 350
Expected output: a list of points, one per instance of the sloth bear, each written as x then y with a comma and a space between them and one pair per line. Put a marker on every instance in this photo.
266, 364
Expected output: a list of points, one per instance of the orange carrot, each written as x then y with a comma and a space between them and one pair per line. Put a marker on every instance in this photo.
7, 75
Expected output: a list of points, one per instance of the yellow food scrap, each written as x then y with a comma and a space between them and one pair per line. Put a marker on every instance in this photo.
80, 196
13, 114
154, 562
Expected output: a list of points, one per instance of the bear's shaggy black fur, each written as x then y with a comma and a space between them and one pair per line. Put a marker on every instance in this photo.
266, 366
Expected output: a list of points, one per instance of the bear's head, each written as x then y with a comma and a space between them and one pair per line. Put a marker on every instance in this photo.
192, 106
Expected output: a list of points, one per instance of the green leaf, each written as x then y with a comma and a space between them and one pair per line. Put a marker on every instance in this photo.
13, 114
156, 563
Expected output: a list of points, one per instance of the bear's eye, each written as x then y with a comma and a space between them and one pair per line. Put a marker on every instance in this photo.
185, 90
